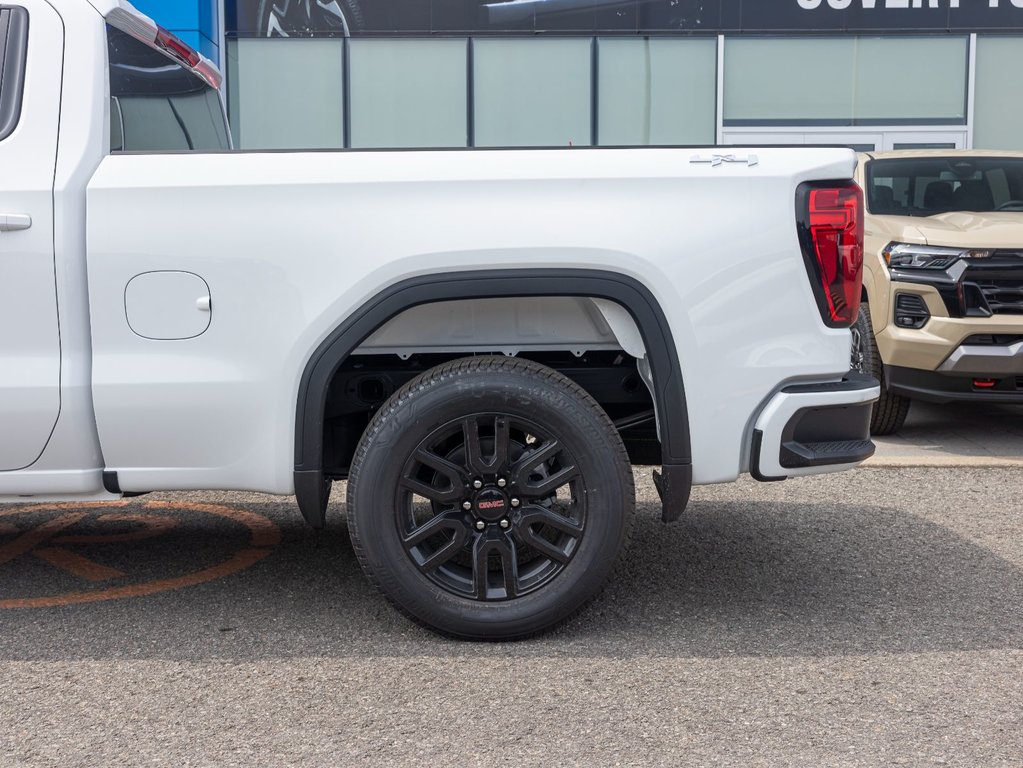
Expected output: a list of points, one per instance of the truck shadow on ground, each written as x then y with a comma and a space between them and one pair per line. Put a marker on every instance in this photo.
732, 578
805, 580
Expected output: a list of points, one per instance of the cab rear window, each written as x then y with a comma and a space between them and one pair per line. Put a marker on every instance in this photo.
158, 105
13, 47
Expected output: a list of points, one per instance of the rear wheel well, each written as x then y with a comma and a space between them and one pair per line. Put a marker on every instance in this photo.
364, 382
325, 438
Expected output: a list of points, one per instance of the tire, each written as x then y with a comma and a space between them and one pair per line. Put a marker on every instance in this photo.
890, 411
548, 519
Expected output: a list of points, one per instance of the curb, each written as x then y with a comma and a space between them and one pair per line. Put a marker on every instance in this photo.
903, 462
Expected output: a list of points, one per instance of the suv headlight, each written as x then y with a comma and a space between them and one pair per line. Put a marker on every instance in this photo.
909, 256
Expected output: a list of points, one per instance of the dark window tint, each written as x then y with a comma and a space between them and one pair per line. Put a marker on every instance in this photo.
13, 48
158, 105
925, 186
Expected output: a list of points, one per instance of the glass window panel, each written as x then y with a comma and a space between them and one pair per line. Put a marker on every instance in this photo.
845, 79
795, 79
531, 92
286, 94
656, 91
907, 78
998, 98
193, 121
408, 93
927, 185
157, 105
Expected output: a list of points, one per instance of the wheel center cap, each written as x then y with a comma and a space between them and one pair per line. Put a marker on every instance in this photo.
491, 505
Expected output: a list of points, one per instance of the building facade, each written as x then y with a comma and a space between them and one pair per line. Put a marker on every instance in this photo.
872, 74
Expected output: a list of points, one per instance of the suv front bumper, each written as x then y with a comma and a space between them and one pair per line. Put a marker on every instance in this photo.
929, 347
809, 429
947, 387
940, 361
985, 360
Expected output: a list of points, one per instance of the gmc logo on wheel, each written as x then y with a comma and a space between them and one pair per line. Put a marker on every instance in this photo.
490, 504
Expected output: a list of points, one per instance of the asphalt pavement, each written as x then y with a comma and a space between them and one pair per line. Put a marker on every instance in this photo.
862, 619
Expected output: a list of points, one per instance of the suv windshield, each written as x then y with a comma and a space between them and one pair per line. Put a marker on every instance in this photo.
157, 105
924, 186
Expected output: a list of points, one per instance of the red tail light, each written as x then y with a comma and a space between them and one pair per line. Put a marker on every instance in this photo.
830, 223
177, 47
143, 28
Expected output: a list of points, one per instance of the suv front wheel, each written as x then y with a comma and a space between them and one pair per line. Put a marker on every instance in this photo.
890, 410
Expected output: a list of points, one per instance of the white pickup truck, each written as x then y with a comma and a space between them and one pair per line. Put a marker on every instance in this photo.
481, 341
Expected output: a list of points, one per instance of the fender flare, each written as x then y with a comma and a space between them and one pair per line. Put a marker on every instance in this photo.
675, 480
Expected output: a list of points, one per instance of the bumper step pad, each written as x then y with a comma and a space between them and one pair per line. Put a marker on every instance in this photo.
795, 454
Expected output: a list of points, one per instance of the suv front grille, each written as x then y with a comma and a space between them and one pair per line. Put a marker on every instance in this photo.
1003, 296
988, 285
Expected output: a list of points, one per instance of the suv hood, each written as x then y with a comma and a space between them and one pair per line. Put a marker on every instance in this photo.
965, 229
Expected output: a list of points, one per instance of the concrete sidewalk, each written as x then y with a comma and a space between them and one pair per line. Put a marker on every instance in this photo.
961, 434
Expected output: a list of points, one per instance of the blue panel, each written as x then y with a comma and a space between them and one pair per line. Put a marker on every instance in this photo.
194, 21
172, 14
207, 14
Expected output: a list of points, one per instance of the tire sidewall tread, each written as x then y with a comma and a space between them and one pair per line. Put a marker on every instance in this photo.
890, 411
609, 520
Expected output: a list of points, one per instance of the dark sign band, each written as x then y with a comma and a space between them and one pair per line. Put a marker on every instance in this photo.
341, 18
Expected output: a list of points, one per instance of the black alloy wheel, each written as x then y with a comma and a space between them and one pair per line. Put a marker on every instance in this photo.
490, 498
478, 507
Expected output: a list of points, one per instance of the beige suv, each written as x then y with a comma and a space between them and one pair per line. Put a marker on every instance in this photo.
942, 312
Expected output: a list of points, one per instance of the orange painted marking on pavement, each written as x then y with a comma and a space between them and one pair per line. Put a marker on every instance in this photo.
152, 526
265, 532
263, 536
239, 562
79, 566
36, 536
